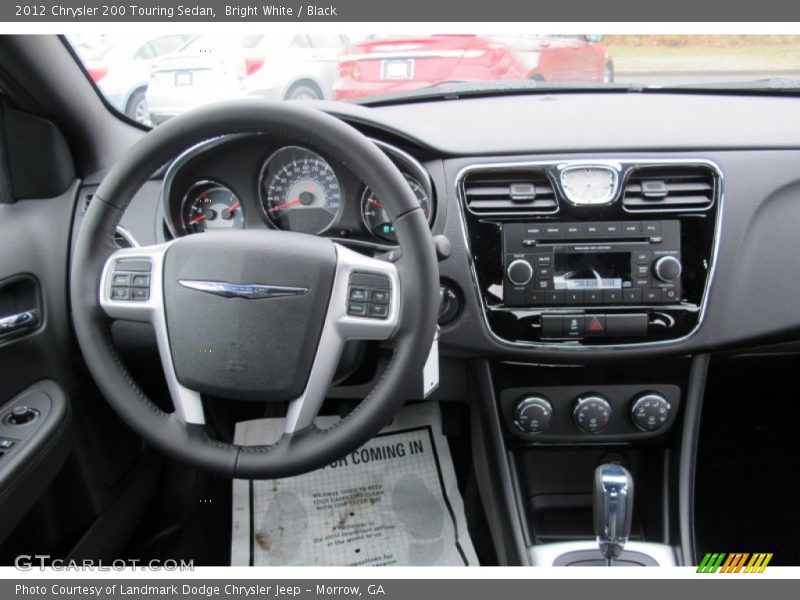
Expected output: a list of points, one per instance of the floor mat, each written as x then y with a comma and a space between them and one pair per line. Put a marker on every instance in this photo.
394, 501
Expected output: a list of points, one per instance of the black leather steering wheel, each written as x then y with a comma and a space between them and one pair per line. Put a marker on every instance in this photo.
274, 302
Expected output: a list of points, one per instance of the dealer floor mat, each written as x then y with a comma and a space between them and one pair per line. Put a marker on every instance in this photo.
394, 501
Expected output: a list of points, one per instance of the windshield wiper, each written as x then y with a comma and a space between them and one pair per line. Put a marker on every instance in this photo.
767, 84
453, 90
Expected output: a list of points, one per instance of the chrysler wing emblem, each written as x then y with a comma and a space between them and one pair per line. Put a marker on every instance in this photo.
250, 291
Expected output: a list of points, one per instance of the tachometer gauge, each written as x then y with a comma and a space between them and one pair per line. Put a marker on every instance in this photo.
375, 217
300, 191
209, 206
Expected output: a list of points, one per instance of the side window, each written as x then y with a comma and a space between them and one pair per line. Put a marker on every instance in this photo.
325, 41
167, 44
299, 41
144, 52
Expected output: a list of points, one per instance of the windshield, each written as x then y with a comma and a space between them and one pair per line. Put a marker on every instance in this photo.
153, 78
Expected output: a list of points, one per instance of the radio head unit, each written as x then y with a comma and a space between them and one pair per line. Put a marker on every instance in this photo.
635, 263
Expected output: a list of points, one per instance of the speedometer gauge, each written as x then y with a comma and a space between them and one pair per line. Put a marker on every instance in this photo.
377, 220
300, 191
208, 206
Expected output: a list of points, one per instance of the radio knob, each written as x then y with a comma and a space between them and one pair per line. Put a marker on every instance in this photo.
519, 272
533, 414
650, 411
667, 269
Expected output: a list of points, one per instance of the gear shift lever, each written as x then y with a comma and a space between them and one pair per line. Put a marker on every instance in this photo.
613, 508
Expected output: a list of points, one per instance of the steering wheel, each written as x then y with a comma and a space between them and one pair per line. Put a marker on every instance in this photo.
273, 306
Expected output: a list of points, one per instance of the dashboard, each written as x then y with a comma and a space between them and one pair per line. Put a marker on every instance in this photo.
734, 241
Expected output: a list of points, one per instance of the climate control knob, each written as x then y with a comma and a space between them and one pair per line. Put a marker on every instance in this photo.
667, 269
519, 272
650, 411
591, 413
533, 414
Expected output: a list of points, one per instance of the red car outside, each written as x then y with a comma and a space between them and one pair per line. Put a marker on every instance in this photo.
388, 65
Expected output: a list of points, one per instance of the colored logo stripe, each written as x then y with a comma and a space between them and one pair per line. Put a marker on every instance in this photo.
734, 562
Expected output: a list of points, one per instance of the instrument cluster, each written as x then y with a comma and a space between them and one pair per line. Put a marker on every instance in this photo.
248, 181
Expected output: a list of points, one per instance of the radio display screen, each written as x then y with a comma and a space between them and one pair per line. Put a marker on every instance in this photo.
592, 271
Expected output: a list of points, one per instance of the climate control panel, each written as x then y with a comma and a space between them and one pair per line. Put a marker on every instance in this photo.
584, 414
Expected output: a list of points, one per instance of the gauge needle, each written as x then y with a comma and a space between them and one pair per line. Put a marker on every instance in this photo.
197, 219
287, 204
233, 207
375, 202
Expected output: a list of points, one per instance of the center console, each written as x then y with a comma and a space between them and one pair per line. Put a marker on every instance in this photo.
591, 253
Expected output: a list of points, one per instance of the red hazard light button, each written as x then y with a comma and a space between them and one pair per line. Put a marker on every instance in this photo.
595, 325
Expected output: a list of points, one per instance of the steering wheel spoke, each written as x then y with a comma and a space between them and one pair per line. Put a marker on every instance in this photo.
364, 305
131, 289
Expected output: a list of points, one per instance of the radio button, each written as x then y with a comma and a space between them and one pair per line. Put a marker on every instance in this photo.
632, 296
632, 227
544, 284
651, 227
651, 296
544, 271
641, 282
544, 259
553, 230
593, 228
593, 296
573, 297
642, 256
528, 242
554, 298
640, 270
669, 295
612, 296
611, 228
534, 298
519, 272
573, 229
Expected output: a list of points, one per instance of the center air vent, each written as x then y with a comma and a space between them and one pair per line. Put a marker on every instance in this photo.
503, 192
685, 187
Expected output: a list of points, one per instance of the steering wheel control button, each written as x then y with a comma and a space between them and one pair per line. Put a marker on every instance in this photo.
121, 293
369, 296
379, 296
591, 413
21, 415
650, 411
358, 295
519, 272
130, 280
357, 309
380, 311
533, 415
141, 281
121, 279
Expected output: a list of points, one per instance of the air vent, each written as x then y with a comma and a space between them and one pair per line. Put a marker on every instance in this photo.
519, 192
688, 187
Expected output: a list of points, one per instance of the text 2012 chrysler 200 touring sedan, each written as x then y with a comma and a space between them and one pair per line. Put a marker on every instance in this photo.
448, 327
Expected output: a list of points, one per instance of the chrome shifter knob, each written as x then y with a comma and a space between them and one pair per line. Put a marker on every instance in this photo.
613, 508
